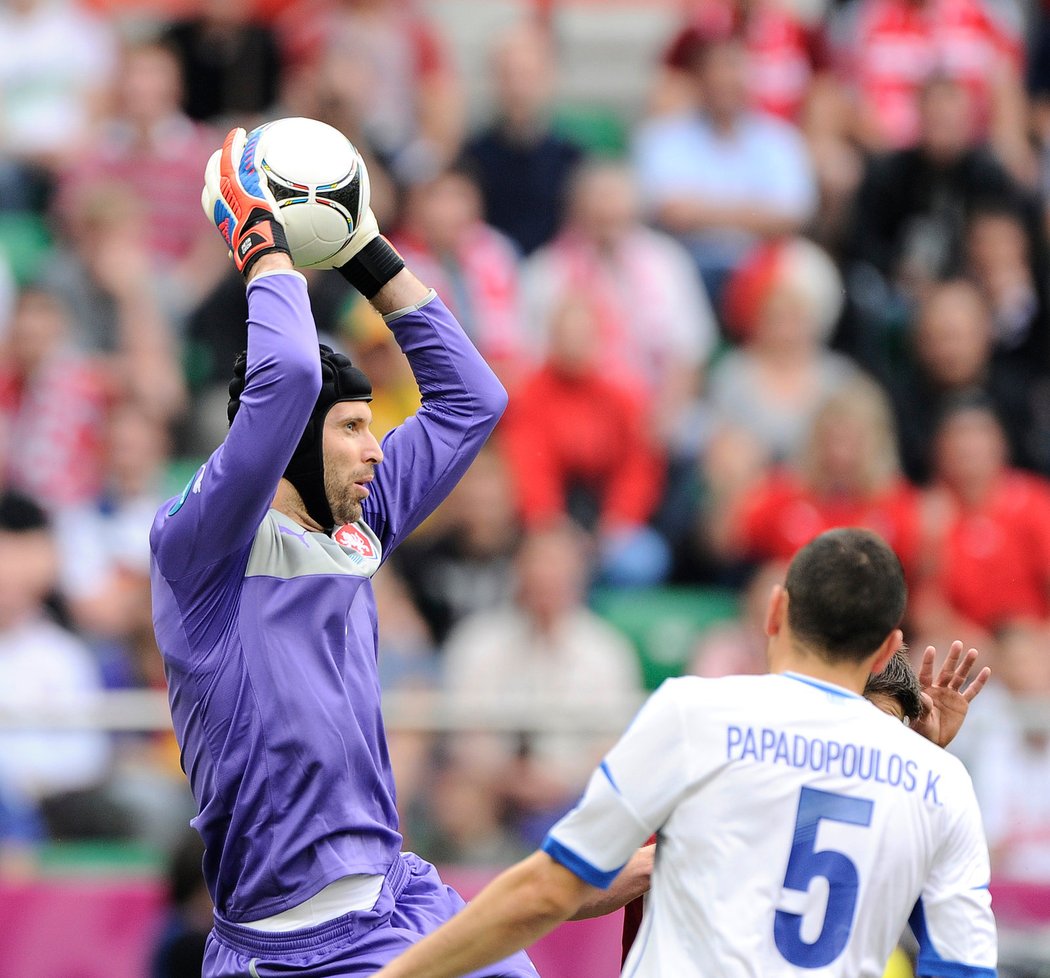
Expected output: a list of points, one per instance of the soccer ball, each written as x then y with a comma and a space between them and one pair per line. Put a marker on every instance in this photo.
320, 184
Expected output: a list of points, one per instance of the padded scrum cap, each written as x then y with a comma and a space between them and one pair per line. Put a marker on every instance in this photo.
340, 381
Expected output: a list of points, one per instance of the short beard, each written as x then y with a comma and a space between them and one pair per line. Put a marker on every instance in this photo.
344, 506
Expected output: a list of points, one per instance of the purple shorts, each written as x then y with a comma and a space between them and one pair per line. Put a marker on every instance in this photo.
413, 902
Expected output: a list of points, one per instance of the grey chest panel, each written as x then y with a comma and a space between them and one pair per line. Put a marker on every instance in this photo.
283, 549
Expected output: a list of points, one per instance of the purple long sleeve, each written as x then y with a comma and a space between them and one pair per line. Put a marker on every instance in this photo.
428, 454
229, 497
269, 632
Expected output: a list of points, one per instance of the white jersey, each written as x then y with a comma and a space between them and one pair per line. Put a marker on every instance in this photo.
800, 829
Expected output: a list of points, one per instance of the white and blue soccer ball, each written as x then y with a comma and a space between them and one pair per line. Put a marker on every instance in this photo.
320, 183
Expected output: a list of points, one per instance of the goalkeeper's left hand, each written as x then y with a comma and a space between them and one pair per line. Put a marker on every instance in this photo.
367, 261
236, 197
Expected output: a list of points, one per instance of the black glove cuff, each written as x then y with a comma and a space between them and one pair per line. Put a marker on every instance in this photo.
258, 244
372, 267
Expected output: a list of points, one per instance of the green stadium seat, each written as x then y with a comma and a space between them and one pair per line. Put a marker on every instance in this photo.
599, 132
664, 623
99, 857
25, 242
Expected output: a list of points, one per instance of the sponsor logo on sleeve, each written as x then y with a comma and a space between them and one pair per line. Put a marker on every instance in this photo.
194, 486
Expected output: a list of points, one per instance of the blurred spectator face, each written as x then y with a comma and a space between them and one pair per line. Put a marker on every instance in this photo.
721, 74
366, 6
552, 572
842, 444
573, 341
852, 447
1022, 660
953, 340
605, 203
810, 293
28, 573
785, 320
39, 327
138, 448
946, 120
226, 11
970, 450
997, 249
484, 505
524, 74
150, 85
442, 210
103, 210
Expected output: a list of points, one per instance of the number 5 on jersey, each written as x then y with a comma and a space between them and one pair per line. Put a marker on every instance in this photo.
807, 863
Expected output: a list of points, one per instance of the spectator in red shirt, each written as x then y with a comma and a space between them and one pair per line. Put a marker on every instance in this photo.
891, 48
987, 530
658, 327
786, 53
53, 403
848, 474
577, 443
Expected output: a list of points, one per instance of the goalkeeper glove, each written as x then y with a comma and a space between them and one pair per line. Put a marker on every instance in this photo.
367, 261
237, 198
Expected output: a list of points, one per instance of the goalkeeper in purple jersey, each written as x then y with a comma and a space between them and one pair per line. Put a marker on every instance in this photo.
265, 616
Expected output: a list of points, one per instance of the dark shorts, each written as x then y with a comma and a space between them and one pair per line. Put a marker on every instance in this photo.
413, 902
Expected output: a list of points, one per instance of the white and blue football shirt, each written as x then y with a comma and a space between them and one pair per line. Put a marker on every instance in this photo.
800, 829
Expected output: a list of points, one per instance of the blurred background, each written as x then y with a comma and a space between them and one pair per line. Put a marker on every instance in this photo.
750, 269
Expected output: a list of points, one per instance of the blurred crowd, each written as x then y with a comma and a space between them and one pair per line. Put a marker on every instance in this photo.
806, 284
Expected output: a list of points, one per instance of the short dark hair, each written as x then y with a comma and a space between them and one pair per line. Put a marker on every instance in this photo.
898, 680
20, 514
846, 593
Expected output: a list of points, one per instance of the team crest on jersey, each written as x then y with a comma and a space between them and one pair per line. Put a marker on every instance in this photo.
352, 537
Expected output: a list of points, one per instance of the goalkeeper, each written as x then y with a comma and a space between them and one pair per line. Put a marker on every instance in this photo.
265, 616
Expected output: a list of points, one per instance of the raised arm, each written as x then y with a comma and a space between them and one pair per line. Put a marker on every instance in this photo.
462, 402
220, 510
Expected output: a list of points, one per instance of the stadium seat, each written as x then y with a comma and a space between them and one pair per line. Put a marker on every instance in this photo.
598, 131
664, 623
25, 241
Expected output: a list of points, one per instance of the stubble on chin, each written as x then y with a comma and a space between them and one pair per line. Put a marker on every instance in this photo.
346, 511
343, 502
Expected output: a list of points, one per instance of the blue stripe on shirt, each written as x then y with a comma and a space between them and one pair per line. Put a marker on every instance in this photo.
930, 964
579, 866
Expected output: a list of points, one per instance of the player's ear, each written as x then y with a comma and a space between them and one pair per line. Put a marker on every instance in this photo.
890, 644
776, 610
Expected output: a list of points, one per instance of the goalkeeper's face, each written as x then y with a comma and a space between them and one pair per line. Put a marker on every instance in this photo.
351, 453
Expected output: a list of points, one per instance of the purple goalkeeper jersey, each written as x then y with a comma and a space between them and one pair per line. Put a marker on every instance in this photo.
268, 631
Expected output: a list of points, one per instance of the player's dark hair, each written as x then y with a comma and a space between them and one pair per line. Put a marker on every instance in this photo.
899, 681
846, 593
20, 514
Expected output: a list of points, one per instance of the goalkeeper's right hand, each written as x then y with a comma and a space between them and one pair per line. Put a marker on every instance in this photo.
237, 198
